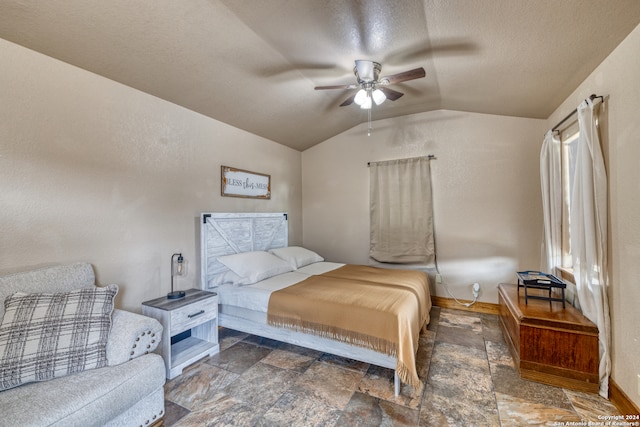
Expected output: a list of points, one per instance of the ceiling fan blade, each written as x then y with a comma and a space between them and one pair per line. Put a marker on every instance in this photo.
304, 67
391, 94
416, 73
422, 50
348, 101
352, 86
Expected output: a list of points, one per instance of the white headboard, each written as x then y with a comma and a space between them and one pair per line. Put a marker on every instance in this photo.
230, 233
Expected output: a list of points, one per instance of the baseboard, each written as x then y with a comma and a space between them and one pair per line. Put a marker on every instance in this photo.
620, 399
478, 307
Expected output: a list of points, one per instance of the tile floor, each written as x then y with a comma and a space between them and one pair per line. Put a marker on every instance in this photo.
470, 380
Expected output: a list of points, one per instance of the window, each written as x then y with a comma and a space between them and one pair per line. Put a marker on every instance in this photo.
569, 143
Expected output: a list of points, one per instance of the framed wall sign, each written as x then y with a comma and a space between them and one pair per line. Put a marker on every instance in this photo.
243, 183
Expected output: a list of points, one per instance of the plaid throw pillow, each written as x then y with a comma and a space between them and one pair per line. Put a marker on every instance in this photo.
45, 336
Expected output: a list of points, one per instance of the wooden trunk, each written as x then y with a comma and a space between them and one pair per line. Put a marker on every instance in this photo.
549, 344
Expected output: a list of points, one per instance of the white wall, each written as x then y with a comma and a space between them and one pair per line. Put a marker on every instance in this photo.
93, 170
486, 190
618, 77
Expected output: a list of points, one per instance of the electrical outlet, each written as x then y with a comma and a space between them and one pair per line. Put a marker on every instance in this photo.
476, 290
438, 278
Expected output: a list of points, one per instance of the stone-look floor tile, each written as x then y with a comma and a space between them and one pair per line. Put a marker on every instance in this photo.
329, 383
515, 411
196, 386
263, 342
300, 350
498, 354
590, 406
466, 384
424, 353
239, 357
440, 411
491, 329
296, 409
344, 362
261, 385
453, 356
378, 383
493, 335
461, 385
461, 320
287, 360
460, 336
367, 411
434, 320
506, 380
195, 365
173, 412
221, 410
431, 415
459, 390
228, 337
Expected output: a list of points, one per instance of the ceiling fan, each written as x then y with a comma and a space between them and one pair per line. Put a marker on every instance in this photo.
372, 88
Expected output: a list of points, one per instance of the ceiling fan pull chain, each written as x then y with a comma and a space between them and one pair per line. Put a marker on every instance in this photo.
369, 114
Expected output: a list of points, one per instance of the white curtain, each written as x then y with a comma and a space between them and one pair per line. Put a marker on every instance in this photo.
401, 211
588, 234
551, 181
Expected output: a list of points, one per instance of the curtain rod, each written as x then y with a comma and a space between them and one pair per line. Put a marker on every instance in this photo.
430, 157
592, 97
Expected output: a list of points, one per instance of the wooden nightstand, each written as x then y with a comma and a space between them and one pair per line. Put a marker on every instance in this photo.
197, 312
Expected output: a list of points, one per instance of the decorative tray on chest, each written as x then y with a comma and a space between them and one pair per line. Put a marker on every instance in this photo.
539, 280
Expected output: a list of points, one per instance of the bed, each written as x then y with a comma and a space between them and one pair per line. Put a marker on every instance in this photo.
269, 289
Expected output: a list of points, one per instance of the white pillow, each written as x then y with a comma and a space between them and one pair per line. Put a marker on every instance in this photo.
255, 266
227, 278
297, 256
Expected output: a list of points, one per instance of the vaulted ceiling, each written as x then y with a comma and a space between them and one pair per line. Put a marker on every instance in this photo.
254, 63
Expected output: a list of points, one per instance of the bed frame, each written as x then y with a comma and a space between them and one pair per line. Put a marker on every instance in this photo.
229, 233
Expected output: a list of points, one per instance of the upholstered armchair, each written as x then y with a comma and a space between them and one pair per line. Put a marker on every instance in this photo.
117, 381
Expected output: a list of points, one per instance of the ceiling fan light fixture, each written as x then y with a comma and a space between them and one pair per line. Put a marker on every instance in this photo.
366, 104
367, 71
367, 75
360, 97
378, 96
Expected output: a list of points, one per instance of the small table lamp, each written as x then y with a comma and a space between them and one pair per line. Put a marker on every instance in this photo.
178, 268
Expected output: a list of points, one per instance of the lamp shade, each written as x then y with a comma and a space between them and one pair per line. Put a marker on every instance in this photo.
360, 97
378, 96
178, 268
366, 104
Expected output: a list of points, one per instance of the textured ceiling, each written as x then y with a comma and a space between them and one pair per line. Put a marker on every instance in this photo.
254, 63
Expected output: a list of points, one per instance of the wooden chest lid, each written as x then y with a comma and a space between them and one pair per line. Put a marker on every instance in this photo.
544, 313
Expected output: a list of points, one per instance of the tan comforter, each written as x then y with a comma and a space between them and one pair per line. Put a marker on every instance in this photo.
377, 308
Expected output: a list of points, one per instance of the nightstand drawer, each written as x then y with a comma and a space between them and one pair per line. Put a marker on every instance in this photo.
193, 315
